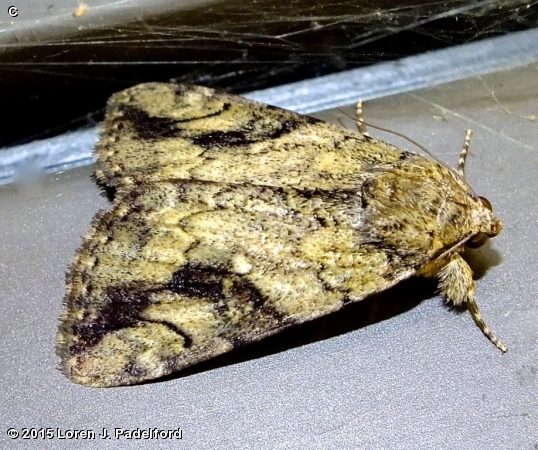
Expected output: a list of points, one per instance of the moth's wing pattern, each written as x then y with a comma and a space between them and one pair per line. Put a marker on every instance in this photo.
235, 220
159, 131
180, 271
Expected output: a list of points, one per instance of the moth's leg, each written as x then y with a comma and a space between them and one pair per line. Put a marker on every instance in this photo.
463, 153
360, 119
457, 286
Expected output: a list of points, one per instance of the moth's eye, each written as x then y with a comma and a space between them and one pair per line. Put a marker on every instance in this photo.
485, 202
478, 240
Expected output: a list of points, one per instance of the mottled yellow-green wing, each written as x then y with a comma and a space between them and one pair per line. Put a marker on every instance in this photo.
237, 219
181, 271
159, 131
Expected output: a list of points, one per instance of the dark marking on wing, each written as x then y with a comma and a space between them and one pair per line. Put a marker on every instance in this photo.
187, 340
122, 310
150, 127
124, 305
246, 135
228, 290
198, 281
334, 195
146, 126
208, 281
321, 220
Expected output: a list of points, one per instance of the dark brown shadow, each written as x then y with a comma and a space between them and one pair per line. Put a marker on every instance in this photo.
481, 259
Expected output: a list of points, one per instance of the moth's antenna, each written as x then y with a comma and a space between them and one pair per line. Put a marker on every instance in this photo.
412, 141
463, 154
360, 119
361, 125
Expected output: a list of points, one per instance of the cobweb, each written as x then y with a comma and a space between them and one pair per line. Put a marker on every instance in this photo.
70, 56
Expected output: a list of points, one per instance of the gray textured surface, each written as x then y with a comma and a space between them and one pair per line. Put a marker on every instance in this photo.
390, 372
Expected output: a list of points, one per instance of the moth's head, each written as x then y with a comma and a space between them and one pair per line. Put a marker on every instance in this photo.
490, 226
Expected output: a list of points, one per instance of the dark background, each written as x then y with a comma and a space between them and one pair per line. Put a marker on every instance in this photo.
53, 85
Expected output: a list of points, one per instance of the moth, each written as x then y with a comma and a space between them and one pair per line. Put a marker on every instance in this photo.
232, 220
